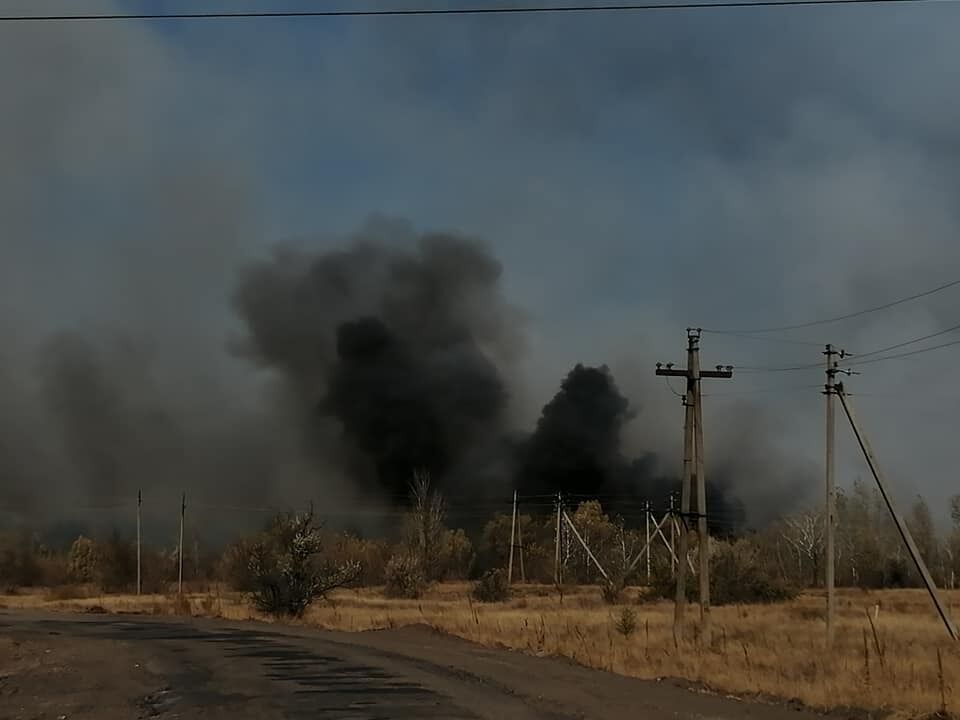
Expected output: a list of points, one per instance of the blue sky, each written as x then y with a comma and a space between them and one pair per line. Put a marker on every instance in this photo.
635, 173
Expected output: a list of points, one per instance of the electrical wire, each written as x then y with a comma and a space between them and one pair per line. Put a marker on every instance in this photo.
787, 388
906, 342
746, 336
421, 12
904, 354
672, 389
838, 318
786, 368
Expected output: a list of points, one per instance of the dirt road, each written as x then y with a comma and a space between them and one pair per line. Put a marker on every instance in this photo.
113, 667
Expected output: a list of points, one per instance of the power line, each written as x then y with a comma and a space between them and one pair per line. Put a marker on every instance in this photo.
904, 354
907, 342
782, 388
838, 318
786, 368
422, 12
786, 341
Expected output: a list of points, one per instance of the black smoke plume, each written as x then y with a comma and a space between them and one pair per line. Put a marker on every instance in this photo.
576, 449
397, 340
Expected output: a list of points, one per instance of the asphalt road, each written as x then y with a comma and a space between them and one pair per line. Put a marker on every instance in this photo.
106, 667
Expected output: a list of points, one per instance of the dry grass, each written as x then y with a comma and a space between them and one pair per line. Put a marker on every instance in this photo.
772, 650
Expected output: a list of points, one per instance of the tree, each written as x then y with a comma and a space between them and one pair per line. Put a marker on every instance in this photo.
924, 534
426, 529
287, 570
804, 532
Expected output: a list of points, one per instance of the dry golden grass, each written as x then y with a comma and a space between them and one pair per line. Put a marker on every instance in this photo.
772, 650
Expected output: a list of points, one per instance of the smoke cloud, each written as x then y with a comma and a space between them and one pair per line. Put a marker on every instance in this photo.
398, 345
145, 168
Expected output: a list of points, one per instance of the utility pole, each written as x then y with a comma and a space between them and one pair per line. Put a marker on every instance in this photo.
513, 537
648, 541
557, 573
183, 510
703, 531
831, 499
693, 470
523, 571
673, 539
139, 504
898, 521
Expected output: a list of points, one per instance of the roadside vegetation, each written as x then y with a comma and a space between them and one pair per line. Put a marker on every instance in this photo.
768, 625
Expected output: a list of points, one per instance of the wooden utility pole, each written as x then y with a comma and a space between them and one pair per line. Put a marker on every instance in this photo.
898, 521
513, 539
183, 510
831, 500
693, 470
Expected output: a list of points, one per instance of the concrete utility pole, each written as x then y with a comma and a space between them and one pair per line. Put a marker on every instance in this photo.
523, 571
673, 539
898, 521
183, 510
513, 539
647, 520
693, 471
557, 573
139, 504
831, 496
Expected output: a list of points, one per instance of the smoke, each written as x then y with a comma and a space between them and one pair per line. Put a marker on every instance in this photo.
399, 339
133, 190
577, 448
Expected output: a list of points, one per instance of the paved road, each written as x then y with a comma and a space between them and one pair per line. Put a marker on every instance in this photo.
170, 668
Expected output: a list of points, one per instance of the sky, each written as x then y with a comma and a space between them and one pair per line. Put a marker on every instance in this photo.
634, 173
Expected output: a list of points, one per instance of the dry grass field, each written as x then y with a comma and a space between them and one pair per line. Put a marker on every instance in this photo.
775, 651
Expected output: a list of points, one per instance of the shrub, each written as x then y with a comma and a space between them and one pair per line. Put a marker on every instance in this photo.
626, 622
455, 555
288, 574
117, 564
235, 569
492, 587
612, 590
18, 562
736, 576
82, 560
404, 577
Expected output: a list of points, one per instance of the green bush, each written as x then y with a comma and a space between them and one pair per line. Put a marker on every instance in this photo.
735, 577
82, 560
492, 587
288, 570
404, 577
626, 622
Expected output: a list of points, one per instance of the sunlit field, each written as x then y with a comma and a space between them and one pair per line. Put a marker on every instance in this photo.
773, 651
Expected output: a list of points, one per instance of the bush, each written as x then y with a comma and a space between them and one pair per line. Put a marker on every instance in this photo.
626, 622
235, 569
612, 590
492, 587
736, 576
82, 560
117, 564
18, 562
288, 574
404, 577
